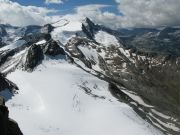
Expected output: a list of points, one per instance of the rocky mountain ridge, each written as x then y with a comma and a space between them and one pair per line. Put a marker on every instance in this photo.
150, 74
142, 68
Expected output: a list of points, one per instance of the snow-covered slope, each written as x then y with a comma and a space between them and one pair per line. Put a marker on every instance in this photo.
65, 33
59, 71
106, 39
13, 45
59, 98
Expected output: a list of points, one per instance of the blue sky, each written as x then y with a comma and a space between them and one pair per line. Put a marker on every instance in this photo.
118, 13
69, 5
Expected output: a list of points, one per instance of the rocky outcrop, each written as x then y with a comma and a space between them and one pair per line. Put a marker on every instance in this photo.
6, 84
1, 43
163, 41
89, 28
2, 31
52, 48
7, 125
48, 28
35, 54
72, 48
146, 62
33, 57
31, 29
4, 55
33, 38
153, 77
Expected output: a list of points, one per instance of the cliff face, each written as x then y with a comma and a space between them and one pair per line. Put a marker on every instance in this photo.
7, 125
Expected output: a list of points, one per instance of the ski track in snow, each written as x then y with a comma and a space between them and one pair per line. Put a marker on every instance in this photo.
51, 102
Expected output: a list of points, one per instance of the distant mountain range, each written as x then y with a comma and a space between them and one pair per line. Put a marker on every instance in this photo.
141, 68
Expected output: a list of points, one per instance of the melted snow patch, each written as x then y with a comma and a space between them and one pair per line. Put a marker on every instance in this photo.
106, 39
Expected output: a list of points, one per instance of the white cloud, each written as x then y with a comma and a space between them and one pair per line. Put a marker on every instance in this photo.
136, 13
94, 12
149, 13
139, 13
16, 14
54, 1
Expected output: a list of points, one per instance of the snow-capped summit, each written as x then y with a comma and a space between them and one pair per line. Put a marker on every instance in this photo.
85, 78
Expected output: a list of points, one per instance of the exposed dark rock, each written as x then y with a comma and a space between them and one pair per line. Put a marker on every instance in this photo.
3, 118
163, 41
1, 43
2, 34
6, 84
2, 101
152, 76
34, 57
33, 38
7, 125
13, 128
2, 31
151, 70
90, 29
52, 48
5, 55
72, 48
48, 28
28, 30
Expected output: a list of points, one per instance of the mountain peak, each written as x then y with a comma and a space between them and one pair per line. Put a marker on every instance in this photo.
88, 27
88, 22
